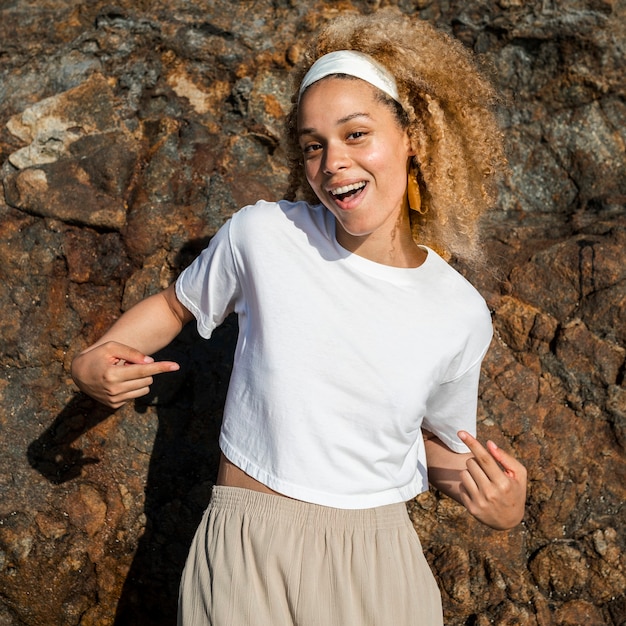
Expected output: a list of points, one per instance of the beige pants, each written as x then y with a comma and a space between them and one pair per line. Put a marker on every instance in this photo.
264, 560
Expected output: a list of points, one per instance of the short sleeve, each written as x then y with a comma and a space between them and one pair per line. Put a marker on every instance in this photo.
209, 287
452, 407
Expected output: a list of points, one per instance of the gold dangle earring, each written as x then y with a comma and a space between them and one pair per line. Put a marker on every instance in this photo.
413, 189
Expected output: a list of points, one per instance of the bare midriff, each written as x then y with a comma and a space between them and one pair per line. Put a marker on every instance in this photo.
229, 475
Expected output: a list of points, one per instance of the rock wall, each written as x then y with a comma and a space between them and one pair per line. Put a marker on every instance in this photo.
129, 133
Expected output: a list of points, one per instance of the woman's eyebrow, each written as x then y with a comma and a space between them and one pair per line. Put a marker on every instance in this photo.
339, 122
350, 117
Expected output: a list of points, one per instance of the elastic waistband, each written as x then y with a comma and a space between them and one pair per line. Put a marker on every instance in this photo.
271, 506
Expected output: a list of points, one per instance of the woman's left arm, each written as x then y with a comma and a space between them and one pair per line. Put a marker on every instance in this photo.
488, 482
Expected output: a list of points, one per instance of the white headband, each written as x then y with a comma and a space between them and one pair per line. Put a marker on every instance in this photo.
353, 64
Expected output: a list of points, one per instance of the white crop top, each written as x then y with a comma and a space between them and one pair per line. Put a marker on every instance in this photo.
340, 361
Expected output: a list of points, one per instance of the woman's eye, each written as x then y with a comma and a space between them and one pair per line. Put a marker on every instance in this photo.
357, 134
311, 147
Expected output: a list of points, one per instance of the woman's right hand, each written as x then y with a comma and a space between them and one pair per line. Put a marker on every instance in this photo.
114, 373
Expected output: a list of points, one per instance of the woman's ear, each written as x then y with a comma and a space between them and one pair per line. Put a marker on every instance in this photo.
411, 150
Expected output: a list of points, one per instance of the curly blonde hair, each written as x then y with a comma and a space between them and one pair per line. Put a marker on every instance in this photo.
448, 113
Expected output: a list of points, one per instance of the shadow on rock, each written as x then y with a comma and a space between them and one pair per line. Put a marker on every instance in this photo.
53, 455
182, 469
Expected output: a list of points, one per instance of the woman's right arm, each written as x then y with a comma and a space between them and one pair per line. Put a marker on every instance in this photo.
113, 372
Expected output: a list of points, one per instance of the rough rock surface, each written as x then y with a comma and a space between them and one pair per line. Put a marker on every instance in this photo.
129, 133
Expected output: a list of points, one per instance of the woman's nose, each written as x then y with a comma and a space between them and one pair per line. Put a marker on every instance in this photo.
335, 158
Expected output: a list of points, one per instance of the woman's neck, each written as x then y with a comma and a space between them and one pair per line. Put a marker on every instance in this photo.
396, 248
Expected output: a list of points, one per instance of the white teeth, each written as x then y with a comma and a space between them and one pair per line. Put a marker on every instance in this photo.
346, 188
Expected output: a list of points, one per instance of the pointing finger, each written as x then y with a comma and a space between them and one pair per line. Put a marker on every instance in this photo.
484, 457
478, 450
132, 371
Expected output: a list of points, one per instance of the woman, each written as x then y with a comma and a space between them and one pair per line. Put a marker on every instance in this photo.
359, 350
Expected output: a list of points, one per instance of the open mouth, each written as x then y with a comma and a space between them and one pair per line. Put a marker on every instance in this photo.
348, 191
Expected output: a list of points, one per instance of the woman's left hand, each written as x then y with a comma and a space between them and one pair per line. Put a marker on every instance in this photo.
493, 485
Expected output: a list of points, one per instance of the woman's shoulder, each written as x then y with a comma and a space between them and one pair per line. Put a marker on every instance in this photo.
264, 210
447, 275
273, 209
455, 291
266, 217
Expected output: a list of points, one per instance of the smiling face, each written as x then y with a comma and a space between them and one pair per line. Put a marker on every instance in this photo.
355, 158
